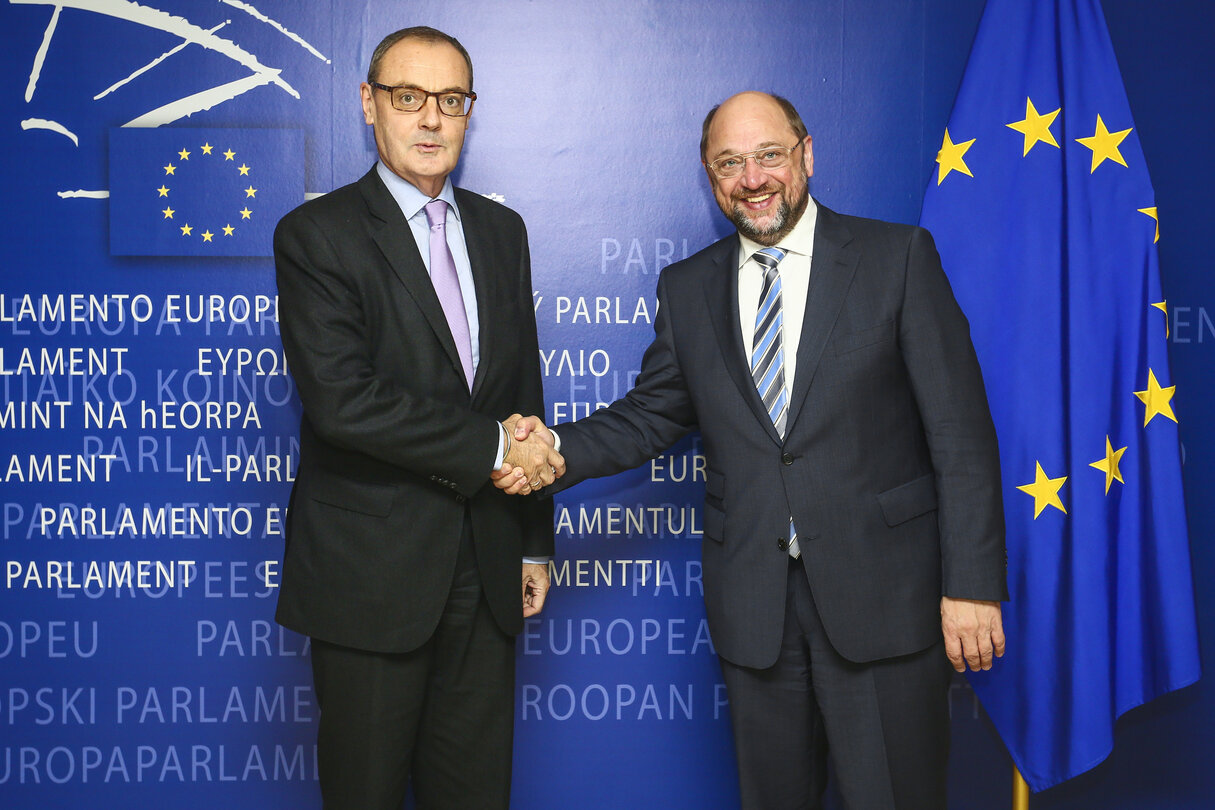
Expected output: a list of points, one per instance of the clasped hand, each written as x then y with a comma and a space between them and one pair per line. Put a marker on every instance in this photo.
531, 462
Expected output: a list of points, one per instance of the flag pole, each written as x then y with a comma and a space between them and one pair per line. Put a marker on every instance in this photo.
1020, 793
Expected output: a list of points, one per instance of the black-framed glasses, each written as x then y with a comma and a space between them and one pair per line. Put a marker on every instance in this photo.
770, 157
453, 103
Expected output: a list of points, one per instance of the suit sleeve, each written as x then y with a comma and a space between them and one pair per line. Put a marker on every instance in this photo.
948, 386
655, 414
347, 401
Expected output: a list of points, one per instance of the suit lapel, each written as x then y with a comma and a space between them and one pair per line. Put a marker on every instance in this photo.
391, 233
722, 276
485, 283
831, 270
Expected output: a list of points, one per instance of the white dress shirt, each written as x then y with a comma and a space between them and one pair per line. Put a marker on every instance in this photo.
798, 245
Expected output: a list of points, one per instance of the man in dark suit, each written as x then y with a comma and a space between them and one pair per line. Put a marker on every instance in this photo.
853, 524
408, 325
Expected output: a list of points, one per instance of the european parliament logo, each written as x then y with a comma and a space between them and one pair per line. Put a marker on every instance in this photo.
201, 192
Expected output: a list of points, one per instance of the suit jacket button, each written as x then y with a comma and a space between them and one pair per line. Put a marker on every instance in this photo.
460, 499
786, 459
782, 544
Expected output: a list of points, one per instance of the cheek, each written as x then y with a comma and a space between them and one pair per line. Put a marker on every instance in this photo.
791, 186
724, 190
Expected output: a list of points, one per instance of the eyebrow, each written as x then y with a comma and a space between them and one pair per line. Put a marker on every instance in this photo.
408, 86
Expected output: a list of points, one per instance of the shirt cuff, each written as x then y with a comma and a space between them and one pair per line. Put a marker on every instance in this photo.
536, 560
501, 447
556, 440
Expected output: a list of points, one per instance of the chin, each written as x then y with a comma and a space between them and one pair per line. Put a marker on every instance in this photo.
768, 233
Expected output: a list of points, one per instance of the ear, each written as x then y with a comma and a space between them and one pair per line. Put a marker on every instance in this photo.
365, 93
808, 156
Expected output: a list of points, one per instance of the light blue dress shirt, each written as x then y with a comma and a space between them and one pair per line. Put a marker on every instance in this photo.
412, 203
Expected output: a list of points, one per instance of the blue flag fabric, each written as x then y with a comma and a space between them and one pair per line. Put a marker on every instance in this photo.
1045, 218
201, 192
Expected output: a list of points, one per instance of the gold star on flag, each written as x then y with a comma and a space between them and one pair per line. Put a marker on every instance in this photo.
245, 213
185, 229
1104, 145
229, 155
1156, 400
170, 169
250, 192
1109, 465
950, 157
1035, 127
244, 169
1163, 306
168, 212
206, 235
228, 229
1151, 212
1045, 491
184, 154
206, 148
164, 192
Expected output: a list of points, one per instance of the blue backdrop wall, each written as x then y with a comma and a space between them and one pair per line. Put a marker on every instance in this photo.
145, 414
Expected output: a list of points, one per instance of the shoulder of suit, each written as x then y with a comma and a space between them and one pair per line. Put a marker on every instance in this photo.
336, 205
870, 230
725, 249
484, 206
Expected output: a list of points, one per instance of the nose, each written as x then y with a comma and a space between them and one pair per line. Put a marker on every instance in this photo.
429, 115
752, 175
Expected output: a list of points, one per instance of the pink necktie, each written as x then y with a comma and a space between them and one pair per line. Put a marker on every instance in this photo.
447, 284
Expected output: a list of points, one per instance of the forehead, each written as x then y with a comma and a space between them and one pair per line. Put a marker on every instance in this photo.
428, 65
748, 123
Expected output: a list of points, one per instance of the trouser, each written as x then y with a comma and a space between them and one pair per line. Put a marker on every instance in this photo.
440, 716
885, 723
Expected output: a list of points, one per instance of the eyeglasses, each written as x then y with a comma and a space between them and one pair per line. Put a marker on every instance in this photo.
452, 103
770, 157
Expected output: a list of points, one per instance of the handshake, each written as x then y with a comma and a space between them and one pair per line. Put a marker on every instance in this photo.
530, 460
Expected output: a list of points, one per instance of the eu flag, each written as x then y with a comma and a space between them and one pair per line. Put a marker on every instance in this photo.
201, 192
1046, 221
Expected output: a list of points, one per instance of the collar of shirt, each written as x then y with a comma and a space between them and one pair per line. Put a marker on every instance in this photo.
799, 240
412, 203
409, 199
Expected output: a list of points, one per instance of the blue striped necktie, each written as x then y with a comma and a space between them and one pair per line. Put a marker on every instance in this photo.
768, 353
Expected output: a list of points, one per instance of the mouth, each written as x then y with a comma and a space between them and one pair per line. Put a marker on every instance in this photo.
757, 202
428, 147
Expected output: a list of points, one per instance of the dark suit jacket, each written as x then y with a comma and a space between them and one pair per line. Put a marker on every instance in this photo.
889, 465
393, 448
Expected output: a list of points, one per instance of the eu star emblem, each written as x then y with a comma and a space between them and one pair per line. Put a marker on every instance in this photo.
201, 192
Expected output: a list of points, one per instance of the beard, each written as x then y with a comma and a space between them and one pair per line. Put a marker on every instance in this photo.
787, 216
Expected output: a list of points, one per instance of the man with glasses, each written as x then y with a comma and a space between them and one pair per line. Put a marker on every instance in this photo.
853, 521
408, 325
